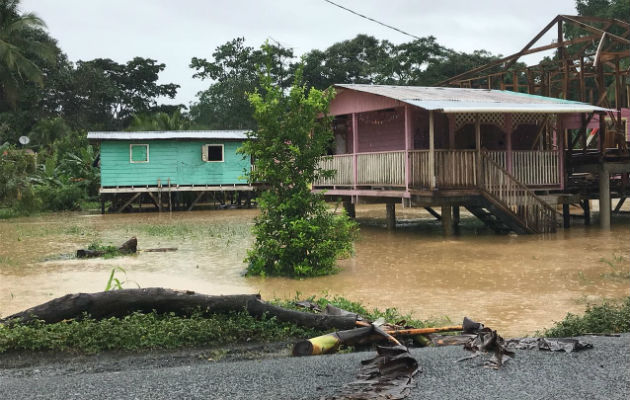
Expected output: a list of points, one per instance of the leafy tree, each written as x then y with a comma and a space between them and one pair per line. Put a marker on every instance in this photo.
17, 45
233, 71
296, 234
103, 94
160, 121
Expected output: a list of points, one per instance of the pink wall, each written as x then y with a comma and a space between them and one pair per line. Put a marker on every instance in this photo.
350, 101
574, 121
382, 131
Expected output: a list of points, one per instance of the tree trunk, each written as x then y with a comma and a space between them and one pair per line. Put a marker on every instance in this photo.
118, 303
318, 321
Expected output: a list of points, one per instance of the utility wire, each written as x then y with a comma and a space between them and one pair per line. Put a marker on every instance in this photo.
372, 19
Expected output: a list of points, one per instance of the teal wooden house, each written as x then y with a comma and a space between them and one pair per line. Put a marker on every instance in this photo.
155, 162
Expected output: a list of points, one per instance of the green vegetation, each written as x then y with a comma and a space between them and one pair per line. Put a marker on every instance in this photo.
168, 331
146, 331
619, 267
108, 250
601, 319
296, 234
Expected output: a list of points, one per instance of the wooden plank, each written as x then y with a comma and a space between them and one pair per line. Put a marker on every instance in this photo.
135, 196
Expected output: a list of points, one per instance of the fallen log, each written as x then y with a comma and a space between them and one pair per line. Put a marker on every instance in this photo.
258, 308
129, 247
118, 303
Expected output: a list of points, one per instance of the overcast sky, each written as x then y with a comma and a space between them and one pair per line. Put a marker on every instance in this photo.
174, 31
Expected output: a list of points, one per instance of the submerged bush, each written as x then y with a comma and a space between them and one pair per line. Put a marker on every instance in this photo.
602, 319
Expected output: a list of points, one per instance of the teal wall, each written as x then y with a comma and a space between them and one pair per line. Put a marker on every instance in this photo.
178, 160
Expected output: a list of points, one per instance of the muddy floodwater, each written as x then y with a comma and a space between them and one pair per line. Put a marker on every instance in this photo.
516, 284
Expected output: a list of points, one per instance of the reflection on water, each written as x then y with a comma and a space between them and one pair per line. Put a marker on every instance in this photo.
516, 284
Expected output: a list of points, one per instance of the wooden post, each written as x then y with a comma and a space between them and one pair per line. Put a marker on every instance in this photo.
566, 215
432, 148
586, 205
447, 220
390, 209
348, 205
408, 145
604, 198
355, 148
478, 133
451, 131
456, 218
507, 126
102, 204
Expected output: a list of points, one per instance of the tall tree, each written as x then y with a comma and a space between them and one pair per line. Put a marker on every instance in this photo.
233, 72
16, 44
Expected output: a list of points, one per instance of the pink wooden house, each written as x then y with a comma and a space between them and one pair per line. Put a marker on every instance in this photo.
489, 151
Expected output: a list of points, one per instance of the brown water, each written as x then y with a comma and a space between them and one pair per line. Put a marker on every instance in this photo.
516, 284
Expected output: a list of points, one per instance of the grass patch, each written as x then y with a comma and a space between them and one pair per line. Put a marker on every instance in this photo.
619, 267
169, 331
108, 250
6, 260
606, 318
147, 331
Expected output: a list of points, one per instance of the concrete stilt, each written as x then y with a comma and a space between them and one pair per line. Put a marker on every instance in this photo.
447, 220
391, 215
604, 199
348, 205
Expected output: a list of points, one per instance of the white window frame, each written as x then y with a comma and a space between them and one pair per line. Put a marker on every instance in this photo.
131, 161
204, 152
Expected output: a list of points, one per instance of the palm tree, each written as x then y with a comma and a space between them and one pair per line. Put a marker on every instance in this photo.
160, 121
18, 49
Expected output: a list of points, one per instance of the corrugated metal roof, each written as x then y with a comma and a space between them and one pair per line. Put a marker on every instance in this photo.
453, 100
169, 135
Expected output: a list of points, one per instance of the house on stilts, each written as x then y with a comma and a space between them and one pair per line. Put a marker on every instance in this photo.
171, 169
499, 154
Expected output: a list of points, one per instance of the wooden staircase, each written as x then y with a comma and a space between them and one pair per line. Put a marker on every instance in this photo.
507, 204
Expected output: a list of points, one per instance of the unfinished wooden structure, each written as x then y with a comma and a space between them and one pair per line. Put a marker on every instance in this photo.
589, 64
489, 151
171, 169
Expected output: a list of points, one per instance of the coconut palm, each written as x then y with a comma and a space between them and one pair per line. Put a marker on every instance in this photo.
19, 49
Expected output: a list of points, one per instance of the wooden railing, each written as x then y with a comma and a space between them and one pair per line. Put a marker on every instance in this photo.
536, 167
499, 157
382, 168
420, 173
506, 191
343, 165
455, 168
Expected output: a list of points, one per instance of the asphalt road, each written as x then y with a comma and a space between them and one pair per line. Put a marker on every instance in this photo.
599, 373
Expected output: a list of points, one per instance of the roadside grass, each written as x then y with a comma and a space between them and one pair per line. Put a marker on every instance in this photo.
152, 331
187, 230
607, 318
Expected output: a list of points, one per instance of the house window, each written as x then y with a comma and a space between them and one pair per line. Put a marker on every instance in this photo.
212, 153
138, 153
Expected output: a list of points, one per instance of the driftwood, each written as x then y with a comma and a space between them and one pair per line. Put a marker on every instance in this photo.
129, 247
118, 303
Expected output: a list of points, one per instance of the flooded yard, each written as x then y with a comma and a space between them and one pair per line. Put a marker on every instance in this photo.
516, 284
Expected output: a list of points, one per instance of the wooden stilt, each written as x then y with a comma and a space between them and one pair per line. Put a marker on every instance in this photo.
102, 204
586, 206
604, 199
620, 204
566, 216
196, 200
434, 213
391, 215
135, 196
456, 218
348, 205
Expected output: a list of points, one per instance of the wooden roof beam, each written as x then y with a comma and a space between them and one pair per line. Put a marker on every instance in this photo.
592, 29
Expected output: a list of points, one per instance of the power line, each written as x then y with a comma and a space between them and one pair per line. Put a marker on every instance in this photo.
372, 19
